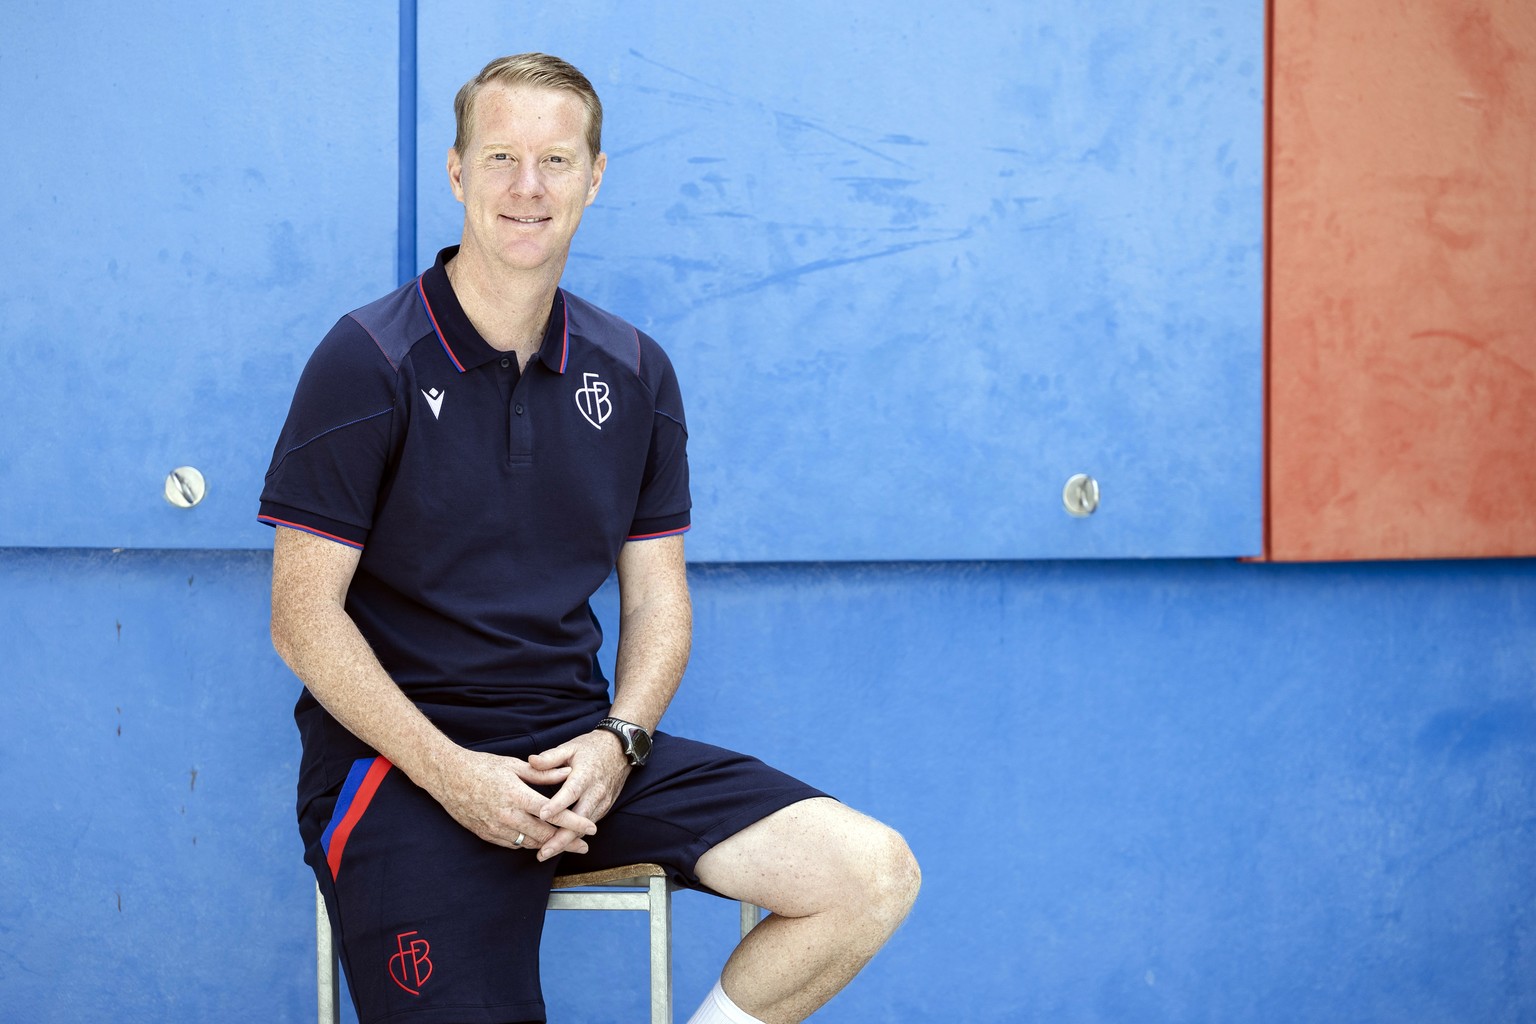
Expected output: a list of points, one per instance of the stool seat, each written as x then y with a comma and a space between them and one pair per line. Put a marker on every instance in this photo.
626, 875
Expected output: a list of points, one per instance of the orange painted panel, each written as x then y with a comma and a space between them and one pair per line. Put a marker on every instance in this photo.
1402, 345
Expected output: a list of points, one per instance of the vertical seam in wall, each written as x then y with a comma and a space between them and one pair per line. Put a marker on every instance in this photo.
405, 205
1266, 334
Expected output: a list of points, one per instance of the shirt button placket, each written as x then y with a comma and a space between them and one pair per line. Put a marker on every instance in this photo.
520, 425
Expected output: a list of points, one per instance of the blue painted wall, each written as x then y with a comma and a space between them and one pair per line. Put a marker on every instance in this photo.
915, 271
1141, 791
917, 266
185, 219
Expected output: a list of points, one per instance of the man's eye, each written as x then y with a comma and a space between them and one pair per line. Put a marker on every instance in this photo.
499, 156
557, 159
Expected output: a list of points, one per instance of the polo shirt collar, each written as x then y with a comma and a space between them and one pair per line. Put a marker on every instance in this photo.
462, 343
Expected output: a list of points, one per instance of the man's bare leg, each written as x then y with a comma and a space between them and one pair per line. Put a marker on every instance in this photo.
838, 884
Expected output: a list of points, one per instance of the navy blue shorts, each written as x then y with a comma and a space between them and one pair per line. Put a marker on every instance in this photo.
436, 925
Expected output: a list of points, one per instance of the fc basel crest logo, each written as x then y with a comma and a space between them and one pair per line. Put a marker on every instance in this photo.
412, 966
593, 401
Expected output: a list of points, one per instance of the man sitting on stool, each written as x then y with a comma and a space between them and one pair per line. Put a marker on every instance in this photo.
465, 461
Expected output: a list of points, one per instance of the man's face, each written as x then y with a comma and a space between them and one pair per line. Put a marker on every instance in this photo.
525, 176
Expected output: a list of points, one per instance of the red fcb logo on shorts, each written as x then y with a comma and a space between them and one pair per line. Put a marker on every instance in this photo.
412, 966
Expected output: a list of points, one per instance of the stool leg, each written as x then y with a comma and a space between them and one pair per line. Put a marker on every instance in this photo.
325, 965
661, 951
750, 915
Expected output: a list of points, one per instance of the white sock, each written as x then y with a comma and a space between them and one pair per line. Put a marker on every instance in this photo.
718, 1009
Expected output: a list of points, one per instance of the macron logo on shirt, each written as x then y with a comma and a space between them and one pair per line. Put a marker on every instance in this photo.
435, 401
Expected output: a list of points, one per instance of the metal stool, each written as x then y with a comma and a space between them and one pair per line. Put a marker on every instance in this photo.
630, 887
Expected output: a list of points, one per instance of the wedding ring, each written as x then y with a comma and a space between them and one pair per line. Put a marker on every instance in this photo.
518, 842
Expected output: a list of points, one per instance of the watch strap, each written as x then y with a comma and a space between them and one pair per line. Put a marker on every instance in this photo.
636, 749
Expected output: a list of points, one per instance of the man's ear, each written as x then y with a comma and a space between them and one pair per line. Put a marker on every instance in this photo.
456, 174
598, 166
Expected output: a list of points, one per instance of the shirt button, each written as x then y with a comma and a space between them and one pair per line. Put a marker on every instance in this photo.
505, 363
518, 409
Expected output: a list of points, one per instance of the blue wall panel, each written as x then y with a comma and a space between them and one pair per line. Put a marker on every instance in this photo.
147, 768
1141, 792
907, 301
918, 266
194, 194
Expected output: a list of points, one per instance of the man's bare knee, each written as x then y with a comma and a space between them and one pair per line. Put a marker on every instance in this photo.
891, 875
817, 857
880, 876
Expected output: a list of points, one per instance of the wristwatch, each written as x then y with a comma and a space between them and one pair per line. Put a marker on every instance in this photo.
637, 742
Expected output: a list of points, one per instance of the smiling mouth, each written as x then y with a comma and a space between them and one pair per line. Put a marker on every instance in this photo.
527, 220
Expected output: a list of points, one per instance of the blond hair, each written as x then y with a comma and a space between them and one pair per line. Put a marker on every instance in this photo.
528, 69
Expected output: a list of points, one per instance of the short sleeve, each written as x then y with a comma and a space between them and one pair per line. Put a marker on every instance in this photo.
334, 450
664, 506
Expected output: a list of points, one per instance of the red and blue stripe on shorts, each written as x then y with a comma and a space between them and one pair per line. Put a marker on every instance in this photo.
356, 793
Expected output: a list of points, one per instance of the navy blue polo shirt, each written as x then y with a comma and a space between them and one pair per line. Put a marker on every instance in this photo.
488, 504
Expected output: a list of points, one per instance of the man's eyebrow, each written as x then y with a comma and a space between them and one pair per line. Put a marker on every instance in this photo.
558, 147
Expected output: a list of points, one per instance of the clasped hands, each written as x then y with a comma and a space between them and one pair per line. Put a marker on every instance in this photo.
492, 795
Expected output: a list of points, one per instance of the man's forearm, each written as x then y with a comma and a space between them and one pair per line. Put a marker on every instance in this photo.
654, 642
323, 647
654, 638
486, 793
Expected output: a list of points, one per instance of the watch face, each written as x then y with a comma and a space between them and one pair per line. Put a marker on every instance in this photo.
640, 741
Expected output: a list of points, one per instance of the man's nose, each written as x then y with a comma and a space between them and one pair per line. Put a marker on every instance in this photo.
528, 181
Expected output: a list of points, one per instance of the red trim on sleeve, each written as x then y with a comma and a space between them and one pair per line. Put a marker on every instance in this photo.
271, 521
663, 533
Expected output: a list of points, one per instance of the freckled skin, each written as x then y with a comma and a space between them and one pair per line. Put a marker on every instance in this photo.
526, 160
